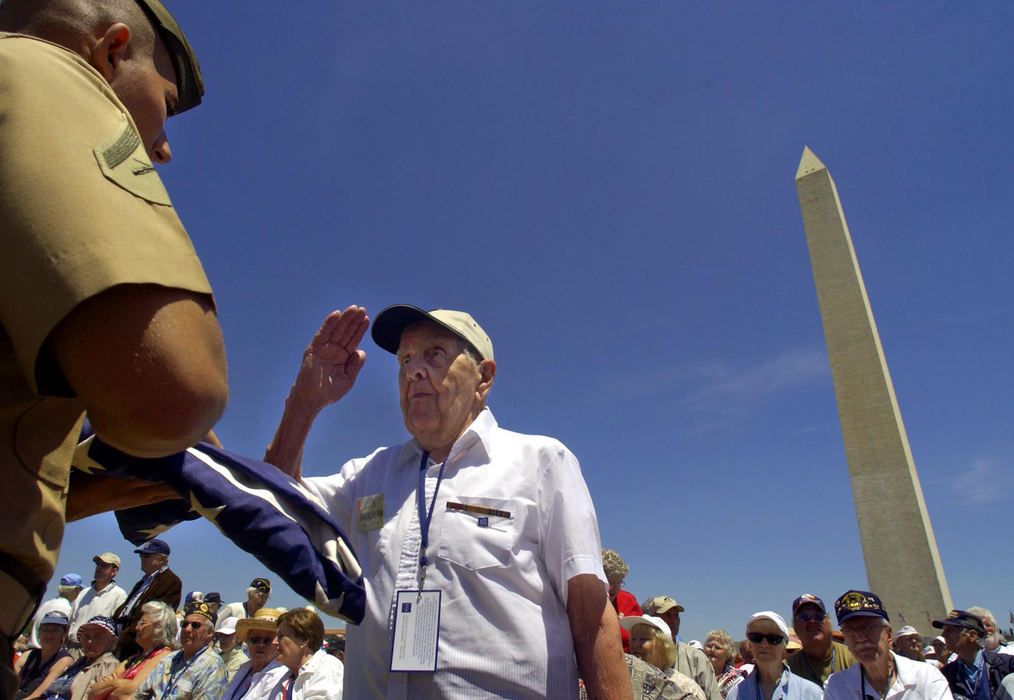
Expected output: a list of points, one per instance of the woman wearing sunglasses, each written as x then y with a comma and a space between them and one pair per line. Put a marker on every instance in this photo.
771, 678
256, 678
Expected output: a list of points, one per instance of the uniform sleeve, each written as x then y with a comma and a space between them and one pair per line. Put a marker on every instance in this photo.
569, 528
81, 207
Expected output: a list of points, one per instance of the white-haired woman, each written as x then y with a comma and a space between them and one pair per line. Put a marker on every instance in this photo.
156, 635
771, 678
624, 603
720, 649
650, 642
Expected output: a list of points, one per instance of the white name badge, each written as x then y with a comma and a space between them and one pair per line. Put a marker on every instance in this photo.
416, 630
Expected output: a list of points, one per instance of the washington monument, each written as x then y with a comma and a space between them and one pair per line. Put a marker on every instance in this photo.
902, 562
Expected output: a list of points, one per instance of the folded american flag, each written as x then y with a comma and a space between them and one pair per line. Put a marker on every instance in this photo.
262, 510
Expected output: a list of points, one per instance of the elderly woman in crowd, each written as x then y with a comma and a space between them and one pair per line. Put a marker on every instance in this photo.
651, 642
40, 667
312, 672
771, 678
624, 603
98, 640
256, 678
720, 649
156, 635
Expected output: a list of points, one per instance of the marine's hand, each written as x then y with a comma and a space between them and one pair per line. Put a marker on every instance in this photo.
332, 360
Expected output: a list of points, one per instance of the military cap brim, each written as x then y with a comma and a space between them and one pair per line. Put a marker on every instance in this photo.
189, 84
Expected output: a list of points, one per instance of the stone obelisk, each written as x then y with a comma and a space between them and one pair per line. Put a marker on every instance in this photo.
902, 562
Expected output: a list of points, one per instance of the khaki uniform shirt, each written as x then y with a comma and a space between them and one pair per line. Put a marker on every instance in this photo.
81, 210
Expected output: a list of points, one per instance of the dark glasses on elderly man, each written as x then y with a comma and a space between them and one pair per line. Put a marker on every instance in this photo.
815, 617
757, 638
259, 640
191, 625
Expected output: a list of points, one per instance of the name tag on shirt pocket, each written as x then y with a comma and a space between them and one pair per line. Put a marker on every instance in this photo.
370, 513
478, 536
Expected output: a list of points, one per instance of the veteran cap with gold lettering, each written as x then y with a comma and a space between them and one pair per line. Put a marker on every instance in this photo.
859, 604
189, 84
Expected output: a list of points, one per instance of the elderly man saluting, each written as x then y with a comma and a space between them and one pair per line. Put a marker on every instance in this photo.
479, 546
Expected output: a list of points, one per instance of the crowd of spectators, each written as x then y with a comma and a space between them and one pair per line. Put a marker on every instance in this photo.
98, 642
804, 658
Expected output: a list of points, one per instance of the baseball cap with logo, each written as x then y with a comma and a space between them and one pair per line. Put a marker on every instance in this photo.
859, 604
392, 322
805, 599
660, 604
963, 619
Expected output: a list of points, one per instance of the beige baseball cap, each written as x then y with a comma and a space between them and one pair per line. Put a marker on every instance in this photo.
392, 321
107, 558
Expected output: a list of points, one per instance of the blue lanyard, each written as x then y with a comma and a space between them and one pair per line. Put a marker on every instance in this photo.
174, 678
424, 517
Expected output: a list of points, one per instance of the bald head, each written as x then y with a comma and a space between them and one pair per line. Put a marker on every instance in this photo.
77, 24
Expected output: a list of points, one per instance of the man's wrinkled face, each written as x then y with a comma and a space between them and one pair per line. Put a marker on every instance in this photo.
812, 625
258, 598
150, 563
259, 644
146, 85
437, 384
672, 618
105, 572
867, 637
910, 646
195, 633
953, 637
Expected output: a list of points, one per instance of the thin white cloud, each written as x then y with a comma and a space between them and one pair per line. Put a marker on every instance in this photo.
986, 481
716, 386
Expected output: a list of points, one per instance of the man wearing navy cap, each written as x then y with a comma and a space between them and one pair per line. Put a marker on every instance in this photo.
880, 672
490, 532
196, 671
820, 655
158, 583
977, 673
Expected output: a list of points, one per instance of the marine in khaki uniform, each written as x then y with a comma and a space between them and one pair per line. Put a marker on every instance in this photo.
104, 306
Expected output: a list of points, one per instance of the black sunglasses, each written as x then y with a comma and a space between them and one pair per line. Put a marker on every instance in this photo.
757, 638
259, 640
815, 617
191, 625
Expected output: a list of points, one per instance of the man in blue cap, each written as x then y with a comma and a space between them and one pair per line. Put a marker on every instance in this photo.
820, 655
158, 583
880, 672
977, 673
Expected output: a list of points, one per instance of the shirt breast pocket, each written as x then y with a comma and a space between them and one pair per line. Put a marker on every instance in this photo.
479, 533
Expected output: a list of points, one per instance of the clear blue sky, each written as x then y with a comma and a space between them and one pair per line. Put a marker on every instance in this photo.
608, 188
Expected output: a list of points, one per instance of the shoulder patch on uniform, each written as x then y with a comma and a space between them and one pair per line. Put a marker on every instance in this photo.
124, 161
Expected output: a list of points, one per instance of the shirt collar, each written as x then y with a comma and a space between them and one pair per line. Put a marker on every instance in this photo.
478, 433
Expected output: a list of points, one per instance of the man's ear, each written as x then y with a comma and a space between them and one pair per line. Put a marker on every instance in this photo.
487, 372
110, 49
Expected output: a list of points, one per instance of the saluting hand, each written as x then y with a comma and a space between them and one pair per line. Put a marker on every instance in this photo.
332, 360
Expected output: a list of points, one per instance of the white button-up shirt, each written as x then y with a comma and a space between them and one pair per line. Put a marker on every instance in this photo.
92, 602
504, 630
914, 679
